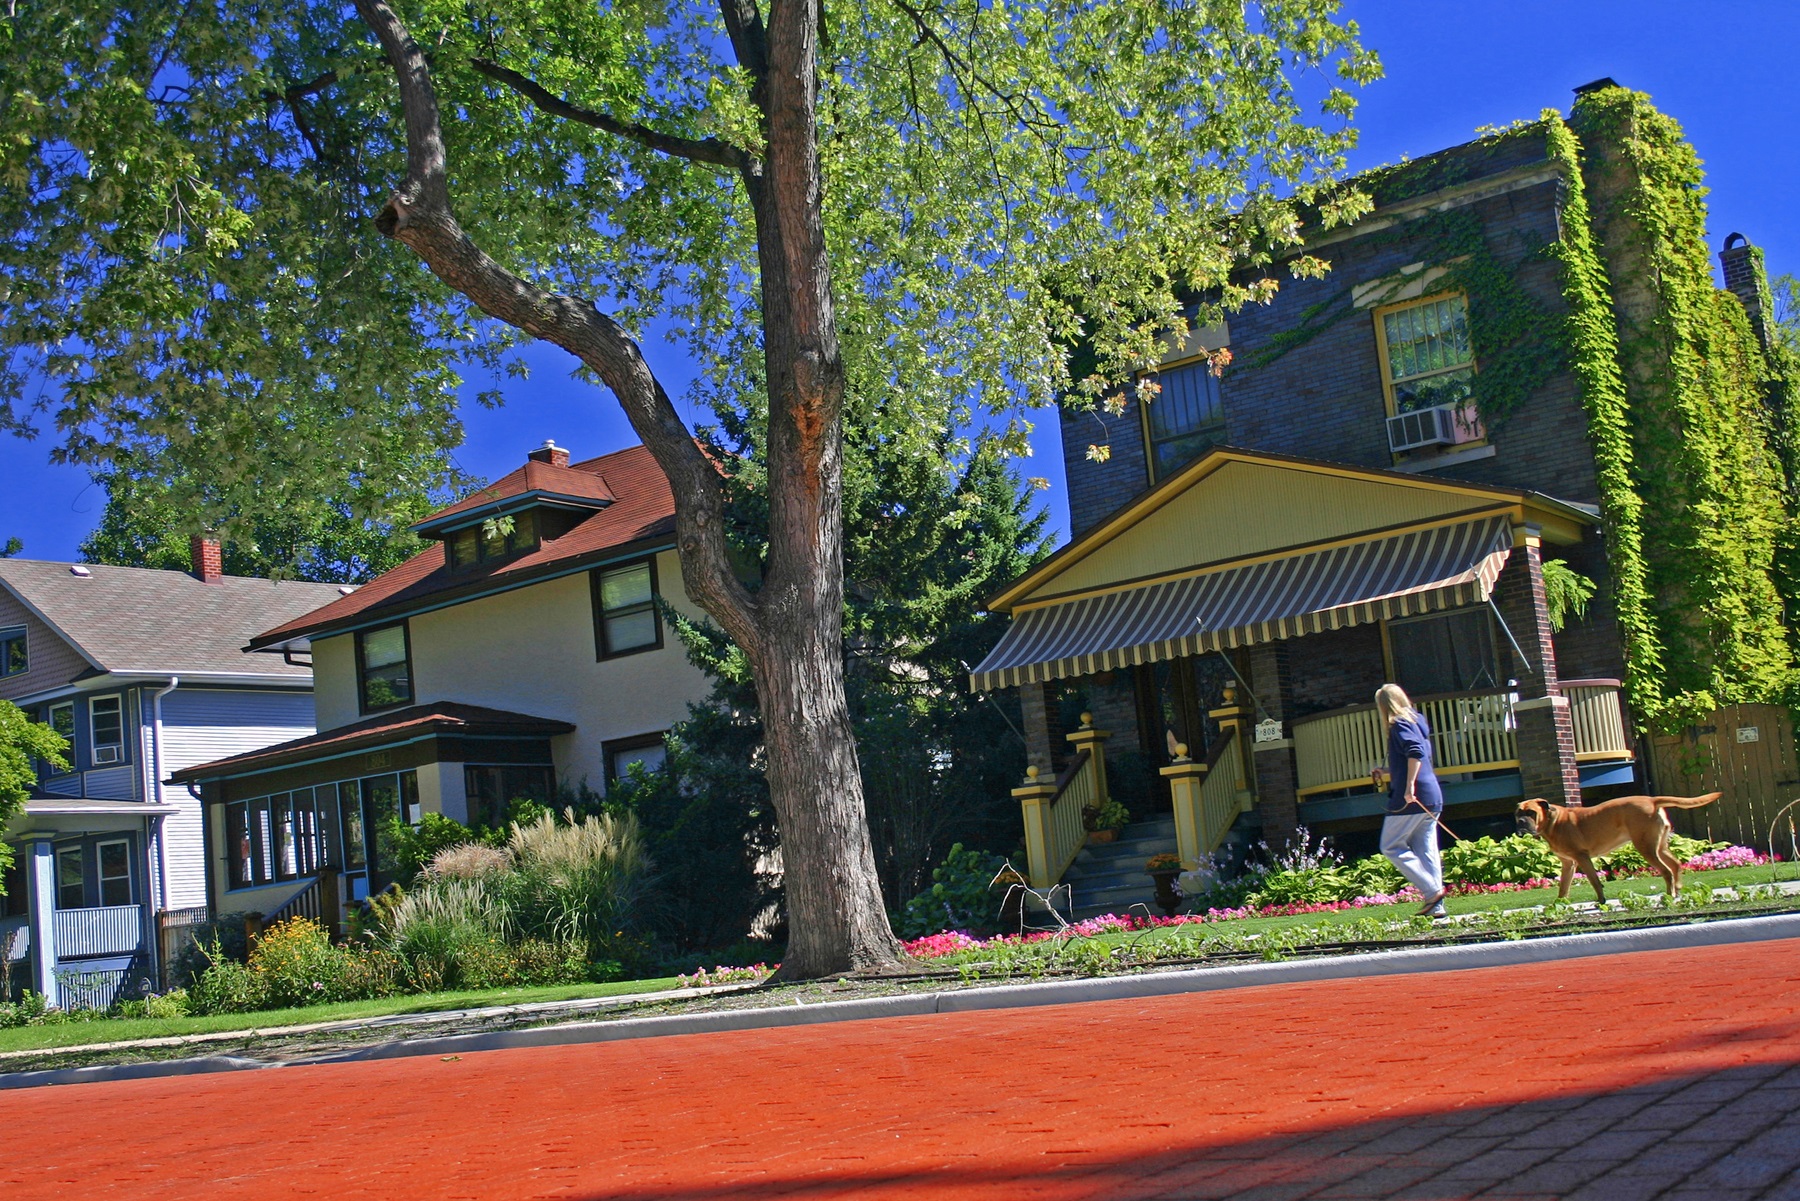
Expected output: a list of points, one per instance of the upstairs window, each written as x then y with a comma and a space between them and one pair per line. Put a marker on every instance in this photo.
625, 610
1186, 419
13, 661
384, 667
1427, 359
493, 540
106, 730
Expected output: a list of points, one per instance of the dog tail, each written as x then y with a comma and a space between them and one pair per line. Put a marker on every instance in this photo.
1685, 802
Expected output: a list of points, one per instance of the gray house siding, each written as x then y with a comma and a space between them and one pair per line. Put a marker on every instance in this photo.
51, 661
199, 726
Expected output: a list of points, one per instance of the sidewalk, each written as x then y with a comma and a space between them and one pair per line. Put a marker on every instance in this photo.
1659, 1074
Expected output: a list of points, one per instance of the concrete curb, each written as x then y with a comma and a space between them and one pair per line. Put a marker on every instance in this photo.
1006, 996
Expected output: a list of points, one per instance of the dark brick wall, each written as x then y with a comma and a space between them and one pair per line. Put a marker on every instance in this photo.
1096, 489
1336, 669
1546, 735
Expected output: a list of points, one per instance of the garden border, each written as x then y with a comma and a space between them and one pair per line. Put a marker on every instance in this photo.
1005, 996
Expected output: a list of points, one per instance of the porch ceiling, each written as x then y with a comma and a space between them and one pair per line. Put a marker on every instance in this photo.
1264, 599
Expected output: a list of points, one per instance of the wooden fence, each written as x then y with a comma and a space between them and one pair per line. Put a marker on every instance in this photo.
1745, 752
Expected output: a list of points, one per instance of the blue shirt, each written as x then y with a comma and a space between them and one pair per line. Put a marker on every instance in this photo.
1410, 738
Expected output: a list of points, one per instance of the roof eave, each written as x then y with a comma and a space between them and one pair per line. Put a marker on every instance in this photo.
382, 613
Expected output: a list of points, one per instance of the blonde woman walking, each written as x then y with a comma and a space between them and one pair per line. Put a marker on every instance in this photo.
1409, 832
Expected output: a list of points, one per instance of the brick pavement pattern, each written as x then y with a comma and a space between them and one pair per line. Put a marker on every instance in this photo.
1671, 1075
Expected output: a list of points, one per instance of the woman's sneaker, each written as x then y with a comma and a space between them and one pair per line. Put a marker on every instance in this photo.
1437, 910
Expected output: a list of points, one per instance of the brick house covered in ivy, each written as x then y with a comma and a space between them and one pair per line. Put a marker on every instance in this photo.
1519, 355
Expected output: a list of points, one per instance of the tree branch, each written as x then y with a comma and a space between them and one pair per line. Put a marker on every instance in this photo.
419, 215
701, 150
749, 38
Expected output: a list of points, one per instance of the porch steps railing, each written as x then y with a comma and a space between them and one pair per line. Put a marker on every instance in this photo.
1054, 833
1208, 794
319, 900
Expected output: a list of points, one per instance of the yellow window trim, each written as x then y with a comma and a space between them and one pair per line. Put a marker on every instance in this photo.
1387, 375
1144, 410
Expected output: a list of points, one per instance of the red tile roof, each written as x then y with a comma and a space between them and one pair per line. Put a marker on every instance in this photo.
443, 717
642, 511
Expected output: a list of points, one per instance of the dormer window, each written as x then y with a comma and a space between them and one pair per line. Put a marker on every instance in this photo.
493, 539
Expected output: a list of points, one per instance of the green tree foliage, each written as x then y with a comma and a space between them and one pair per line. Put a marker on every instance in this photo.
11, 547
144, 526
916, 205
184, 299
22, 743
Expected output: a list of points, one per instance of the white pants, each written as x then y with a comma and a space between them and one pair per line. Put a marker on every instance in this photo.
1410, 840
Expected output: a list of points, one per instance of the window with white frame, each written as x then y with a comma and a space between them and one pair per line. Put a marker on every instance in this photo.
106, 730
13, 659
113, 858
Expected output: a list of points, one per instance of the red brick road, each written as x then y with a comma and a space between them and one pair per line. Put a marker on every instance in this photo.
1667, 1075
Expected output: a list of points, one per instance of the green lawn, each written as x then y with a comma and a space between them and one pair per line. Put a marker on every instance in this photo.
103, 1030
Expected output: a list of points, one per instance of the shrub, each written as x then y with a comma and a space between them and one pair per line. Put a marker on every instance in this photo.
29, 1010
172, 1004
959, 897
226, 985
298, 965
193, 956
579, 880
408, 849
467, 861
451, 934
1507, 861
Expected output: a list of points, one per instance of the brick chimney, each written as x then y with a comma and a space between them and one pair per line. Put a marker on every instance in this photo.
550, 453
208, 559
1748, 280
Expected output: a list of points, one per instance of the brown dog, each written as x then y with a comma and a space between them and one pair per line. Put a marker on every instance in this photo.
1578, 834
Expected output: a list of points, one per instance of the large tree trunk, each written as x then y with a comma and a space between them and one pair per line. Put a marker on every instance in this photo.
792, 629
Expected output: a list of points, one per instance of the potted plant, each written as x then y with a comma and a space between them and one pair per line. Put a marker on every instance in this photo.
1102, 822
1163, 869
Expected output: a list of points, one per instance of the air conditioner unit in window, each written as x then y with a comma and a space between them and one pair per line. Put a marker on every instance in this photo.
106, 754
1446, 425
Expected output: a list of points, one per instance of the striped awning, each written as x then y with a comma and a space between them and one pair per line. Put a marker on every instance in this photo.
1419, 571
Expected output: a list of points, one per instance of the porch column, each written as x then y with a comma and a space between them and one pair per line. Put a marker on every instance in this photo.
1042, 727
1093, 741
1545, 731
1277, 775
40, 887
1185, 778
1034, 805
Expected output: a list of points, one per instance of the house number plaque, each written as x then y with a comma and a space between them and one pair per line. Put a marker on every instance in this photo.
1268, 731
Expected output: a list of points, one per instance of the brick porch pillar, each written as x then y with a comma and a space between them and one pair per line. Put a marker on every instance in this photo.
1043, 727
1277, 776
1546, 735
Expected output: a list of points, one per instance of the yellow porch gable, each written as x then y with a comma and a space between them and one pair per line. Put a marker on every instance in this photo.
1233, 507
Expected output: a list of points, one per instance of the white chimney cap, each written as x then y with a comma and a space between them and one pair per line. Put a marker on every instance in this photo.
81, 570
346, 589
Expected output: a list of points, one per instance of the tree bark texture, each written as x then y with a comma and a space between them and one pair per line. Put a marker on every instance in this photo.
792, 629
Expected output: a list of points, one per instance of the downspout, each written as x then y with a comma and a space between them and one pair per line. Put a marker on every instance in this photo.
156, 755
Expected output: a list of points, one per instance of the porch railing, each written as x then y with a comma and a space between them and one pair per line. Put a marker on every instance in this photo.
111, 930
1054, 833
1222, 792
1599, 720
1470, 731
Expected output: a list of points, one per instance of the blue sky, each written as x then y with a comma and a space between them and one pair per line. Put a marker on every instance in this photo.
1725, 70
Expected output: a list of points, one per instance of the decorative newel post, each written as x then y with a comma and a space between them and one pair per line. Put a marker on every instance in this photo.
1087, 738
1233, 714
1034, 803
1185, 777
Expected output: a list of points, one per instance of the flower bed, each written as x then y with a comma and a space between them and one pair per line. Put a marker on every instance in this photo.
951, 942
